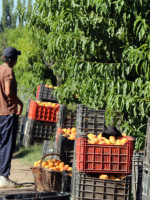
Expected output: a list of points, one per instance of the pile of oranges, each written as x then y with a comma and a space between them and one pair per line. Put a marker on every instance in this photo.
93, 139
50, 104
54, 165
69, 133
111, 177
51, 86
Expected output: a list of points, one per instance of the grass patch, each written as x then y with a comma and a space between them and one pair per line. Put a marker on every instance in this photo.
29, 154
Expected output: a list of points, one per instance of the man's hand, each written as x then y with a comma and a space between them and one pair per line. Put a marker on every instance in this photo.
20, 108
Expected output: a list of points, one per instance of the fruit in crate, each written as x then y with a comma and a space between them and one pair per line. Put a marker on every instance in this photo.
70, 133
111, 177
51, 86
41, 103
103, 176
54, 165
98, 139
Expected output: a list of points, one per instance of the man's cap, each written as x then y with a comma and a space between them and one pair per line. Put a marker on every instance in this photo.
11, 52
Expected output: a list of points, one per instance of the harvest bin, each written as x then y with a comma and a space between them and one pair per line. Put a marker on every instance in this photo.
89, 120
137, 170
38, 131
87, 187
146, 182
48, 147
20, 128
45, 94
66, 119
38, 196
65, 147
99, 158
147, 145
43, 113
20, 125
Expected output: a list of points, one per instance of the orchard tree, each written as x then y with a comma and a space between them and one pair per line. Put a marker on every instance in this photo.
101, 51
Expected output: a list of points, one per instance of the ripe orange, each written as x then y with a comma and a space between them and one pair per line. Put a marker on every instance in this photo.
73, 130
91, 135
36, 164
124, 141
103, 176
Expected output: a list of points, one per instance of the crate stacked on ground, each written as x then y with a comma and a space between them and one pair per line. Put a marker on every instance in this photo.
20, 128
103, 168
89, 186
64, 145
146, 166
46, 93
137, 171
66, 133
41, 121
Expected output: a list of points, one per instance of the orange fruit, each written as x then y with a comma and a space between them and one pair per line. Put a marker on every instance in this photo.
103, 176
124, 141
36, 164
44, 163
102, 142
94, 141
69, 169
73, 130
91, 135
51, 164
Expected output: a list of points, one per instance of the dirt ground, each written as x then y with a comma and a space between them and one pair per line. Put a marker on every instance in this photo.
22, 175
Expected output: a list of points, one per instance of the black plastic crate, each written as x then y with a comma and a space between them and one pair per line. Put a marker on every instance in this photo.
146, 182
66, 117
87, 187
147, 144
65, 148
48, 147
38, 196
66, 182
137, 170
89, 120
20, 128
21, 122
46, 94
93, 121
37, 131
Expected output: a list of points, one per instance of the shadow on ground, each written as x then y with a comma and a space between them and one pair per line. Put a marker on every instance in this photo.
22, 154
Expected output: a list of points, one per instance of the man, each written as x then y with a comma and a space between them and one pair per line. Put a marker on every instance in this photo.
10, 107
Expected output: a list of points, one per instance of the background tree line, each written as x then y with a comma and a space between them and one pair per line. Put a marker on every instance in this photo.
30, 69
13, 16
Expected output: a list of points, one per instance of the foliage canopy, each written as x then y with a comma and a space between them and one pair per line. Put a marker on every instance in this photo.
100, 49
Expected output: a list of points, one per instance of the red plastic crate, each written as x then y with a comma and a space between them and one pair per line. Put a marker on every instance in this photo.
59, 131
38, 91
43, 113
104, 158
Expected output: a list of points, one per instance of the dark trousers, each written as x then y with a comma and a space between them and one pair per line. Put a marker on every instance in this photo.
8, 132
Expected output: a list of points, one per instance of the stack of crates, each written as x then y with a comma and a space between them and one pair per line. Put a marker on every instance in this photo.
137, 171
146, 166
41, 116
63, 146
91, 160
